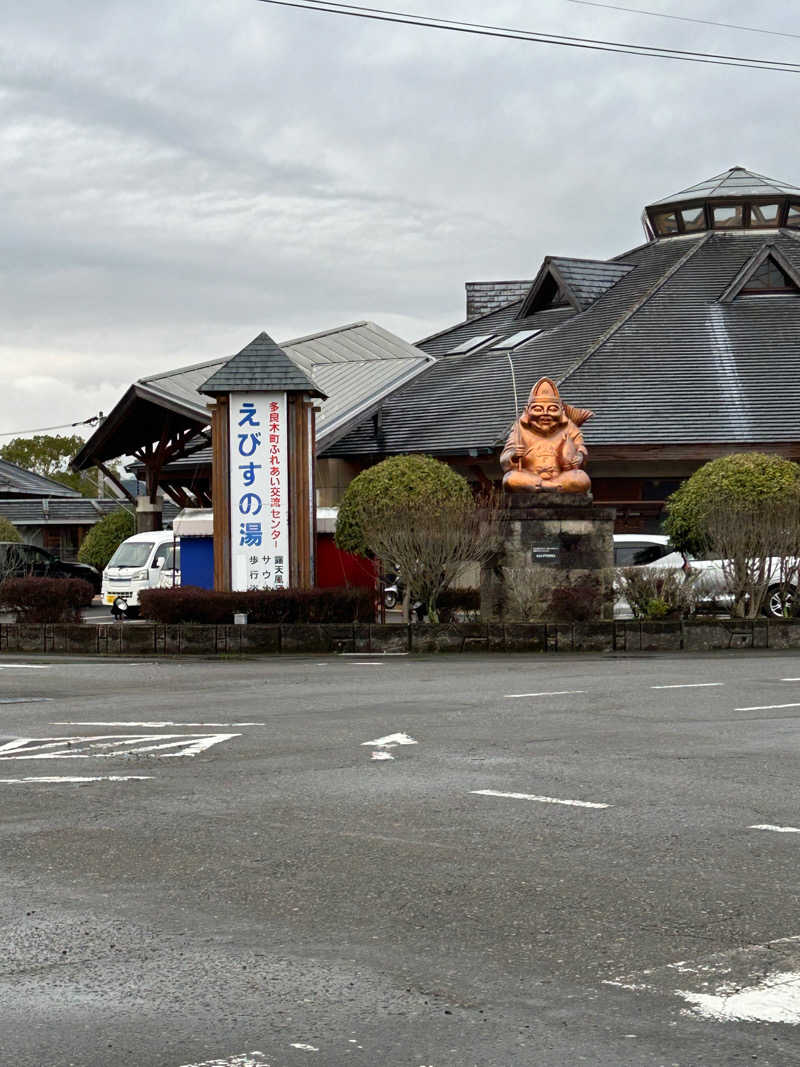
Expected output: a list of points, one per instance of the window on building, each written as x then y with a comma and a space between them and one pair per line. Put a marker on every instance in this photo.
666, 223
793, 218
729, 217
470, 344
514, 340
770, 278
764, 214
693, 218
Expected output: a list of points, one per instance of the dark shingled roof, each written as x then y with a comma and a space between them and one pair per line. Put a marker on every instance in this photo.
80, 512
261, 365
16, 481
657, 356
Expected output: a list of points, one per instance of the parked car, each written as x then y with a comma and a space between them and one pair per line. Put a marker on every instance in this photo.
655, 550
136, 565
19, 560
170, 573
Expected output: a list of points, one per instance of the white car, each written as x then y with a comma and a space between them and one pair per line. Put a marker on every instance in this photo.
643, 550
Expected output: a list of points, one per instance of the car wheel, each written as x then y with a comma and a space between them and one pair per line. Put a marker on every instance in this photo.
777, 603
390, 598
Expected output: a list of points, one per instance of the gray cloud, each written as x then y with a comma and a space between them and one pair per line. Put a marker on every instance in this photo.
178, 177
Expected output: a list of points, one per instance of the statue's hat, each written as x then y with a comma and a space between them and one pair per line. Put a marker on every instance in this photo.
545, 391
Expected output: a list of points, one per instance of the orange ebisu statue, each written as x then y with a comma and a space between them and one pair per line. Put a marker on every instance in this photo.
545, 448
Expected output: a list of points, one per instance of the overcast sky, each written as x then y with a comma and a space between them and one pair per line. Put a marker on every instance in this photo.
178, 176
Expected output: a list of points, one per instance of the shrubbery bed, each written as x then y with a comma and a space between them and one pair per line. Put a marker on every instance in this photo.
44, 600
191, 604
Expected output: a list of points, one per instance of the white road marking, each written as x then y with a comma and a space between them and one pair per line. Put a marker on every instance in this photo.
775, 829
790, 679
305, 1048
390, 741
373, 653
541, 800
381, 755
756, 983
244, 1059
26, 700
153, 724
121, 744
768, 707
689, 685
25, 666
556, 693
774, 1000
368, 663
81, 781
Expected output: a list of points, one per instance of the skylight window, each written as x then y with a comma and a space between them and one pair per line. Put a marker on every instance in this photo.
471, 344
515, 339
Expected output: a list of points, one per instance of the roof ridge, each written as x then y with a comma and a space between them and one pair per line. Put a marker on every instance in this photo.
637, 306
327, 333
182, 370
585, 259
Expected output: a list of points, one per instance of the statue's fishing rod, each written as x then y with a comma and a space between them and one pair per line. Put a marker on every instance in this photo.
516, 410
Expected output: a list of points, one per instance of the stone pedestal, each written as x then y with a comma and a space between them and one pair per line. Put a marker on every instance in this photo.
550, 540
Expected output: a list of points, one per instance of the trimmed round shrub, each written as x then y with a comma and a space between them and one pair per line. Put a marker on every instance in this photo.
744, 480
103, 540
413, 482
8, 531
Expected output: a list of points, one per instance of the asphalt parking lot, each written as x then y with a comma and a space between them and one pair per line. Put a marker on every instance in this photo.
411, 862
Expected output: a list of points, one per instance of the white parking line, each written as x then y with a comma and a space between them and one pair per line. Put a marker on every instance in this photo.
81, 781
555, 693
26, 700
390, 741
689, 685
157, 725
25, 666
541, 800
768, 707
119, 744
244, 1059
790, 679
775, 829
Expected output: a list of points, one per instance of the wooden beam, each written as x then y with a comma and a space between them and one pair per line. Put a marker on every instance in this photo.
220, 492
108, 473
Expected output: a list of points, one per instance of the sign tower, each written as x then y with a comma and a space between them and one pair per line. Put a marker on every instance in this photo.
262, 426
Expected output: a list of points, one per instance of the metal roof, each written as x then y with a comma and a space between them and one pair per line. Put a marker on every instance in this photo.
658, 357
354, 365
68, 512
16, 481
734, 182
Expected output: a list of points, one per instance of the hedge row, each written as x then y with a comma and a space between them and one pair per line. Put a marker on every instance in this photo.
45, 600
191, 604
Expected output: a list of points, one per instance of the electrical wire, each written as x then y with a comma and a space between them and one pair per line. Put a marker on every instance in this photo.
686, 18
534, 36
64, 426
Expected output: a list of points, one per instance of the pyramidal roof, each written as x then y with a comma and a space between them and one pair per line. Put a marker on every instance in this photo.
261, 366
734, 182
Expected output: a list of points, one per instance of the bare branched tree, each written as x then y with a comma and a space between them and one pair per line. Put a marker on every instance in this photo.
527, 592
759, 548
432, 545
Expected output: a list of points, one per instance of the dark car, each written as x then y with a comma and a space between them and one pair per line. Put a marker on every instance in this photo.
22, 561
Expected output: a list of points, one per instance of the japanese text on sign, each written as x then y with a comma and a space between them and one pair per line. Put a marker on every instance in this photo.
259, 497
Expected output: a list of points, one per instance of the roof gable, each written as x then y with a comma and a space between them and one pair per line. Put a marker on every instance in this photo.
577, 283
753, 276
15, 481
261, 365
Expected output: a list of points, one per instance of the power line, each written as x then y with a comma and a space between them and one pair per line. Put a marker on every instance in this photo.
509, 33
64, 426
686, 18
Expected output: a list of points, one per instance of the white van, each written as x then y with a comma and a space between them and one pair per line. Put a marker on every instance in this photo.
136, 565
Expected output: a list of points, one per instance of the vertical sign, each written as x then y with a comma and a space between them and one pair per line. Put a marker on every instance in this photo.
259, 491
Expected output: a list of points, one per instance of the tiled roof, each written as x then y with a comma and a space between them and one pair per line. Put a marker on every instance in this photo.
658, 357
261, 365
16, 481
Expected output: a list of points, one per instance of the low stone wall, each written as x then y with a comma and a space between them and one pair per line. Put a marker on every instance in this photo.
151, 639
